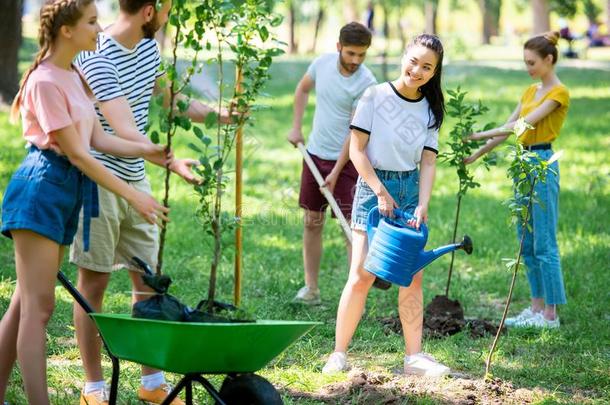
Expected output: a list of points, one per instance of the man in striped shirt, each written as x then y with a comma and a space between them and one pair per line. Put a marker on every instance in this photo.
123, 73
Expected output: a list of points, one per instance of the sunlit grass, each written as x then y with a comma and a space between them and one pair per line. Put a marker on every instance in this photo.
569, 360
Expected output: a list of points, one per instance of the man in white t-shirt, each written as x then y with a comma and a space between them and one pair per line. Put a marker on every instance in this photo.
339, 79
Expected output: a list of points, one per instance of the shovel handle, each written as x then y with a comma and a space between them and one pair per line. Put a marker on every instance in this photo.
325, 191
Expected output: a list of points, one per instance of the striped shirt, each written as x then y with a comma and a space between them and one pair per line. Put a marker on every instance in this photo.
114, 71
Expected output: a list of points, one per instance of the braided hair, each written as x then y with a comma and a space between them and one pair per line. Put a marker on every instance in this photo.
53, 15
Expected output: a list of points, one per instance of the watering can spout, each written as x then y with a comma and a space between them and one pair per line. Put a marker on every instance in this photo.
426, 257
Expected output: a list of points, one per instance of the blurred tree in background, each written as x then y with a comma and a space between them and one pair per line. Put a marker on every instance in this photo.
310, 25
490, 11
10, 41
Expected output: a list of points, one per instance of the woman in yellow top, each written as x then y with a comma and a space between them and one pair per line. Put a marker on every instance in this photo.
543, 105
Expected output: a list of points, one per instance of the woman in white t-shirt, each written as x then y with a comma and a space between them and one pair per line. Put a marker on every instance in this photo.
394, 129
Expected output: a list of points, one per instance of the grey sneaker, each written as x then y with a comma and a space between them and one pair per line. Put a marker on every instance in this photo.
518, 320
425, 365
336, 363
306, 296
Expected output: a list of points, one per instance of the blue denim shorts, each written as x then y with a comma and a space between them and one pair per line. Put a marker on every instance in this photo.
44, 196
402, 186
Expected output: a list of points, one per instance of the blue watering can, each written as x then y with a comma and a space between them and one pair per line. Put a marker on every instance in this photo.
396, 250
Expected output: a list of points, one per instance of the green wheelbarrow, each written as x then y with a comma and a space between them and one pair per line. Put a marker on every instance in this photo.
196, 349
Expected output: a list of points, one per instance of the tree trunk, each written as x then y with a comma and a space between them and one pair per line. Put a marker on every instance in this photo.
430, 10
319, 20
293, 47
10, 41
541, 13
386, 37
350, 10
403, 37
490, 10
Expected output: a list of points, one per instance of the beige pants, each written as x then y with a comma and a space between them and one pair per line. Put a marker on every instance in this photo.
118, 234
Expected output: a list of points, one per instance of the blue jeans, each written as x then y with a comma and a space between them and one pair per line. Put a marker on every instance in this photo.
402, 186
540, 250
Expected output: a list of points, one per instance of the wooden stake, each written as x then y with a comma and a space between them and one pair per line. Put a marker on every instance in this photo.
239, 143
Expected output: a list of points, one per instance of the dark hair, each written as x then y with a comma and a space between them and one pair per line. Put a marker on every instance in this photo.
432, 89
53, 15
544, 45
355, 34
133, 6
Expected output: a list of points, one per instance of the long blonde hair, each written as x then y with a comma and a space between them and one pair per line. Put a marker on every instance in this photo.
53, 15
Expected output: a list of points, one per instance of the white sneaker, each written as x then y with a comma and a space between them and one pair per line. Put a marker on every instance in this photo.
425, 365
336, 363
526, 314
538, 321
307, 297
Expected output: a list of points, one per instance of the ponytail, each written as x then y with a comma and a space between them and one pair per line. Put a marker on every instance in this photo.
544, 44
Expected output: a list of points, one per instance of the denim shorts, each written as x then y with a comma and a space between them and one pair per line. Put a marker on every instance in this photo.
44, 196
402, 186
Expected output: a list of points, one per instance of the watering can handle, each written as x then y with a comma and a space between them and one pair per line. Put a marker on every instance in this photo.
406, 217
374, 216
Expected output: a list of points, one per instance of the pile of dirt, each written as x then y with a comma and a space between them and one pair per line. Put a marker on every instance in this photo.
478, 328
364, 387
444, 317
361, 387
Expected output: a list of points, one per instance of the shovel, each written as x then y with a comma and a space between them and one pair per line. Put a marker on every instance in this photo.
326, 192
379, 283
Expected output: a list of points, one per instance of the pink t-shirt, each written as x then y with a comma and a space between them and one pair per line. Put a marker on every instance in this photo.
55, 98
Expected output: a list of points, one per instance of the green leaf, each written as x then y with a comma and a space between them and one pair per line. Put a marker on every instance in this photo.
211, 119
183, 122
195, 148
275, 52
277, 20
154, 137
182, 105
263, 32
198, 132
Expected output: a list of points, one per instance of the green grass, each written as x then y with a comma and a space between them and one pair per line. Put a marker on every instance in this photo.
565, 365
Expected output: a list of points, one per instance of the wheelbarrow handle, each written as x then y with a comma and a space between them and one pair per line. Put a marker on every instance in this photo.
325, 191
74, 293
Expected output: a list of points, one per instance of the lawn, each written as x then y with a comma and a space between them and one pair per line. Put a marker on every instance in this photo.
555, 366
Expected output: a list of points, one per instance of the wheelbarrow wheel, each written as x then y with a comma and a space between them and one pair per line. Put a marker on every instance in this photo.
249, 389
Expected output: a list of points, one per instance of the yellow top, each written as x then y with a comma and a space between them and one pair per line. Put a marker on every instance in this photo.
547, 129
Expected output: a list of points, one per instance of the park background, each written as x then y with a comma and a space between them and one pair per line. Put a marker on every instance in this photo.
569, 365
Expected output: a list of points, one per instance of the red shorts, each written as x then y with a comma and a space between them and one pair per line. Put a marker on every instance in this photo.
310, 197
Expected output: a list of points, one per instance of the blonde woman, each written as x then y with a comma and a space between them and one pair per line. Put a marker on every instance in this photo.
543, 105
42, 201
